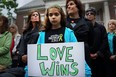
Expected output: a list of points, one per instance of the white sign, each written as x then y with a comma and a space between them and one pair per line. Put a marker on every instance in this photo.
56, 60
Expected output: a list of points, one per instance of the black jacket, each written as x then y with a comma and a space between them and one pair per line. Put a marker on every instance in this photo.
83, 31
114, 45
29, 37
100, 40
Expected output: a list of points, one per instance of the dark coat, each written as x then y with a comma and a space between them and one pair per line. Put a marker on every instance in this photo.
100, 41
83, 31
114, 44
29, 37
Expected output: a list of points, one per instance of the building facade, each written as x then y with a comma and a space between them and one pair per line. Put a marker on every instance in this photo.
106, 9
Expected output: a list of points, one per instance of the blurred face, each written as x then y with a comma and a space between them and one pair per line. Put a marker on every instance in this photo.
54, 16
71, 8
111, 26
1, 22
90, 16
12, 29
35, 17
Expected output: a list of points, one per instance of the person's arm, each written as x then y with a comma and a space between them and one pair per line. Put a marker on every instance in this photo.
7, 42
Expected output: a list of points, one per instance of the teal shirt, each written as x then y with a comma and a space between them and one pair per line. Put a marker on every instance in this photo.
110, 41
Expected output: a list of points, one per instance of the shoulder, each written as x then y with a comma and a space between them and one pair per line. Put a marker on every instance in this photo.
41, 33
18, 35
7, 33
99, 25
68, 29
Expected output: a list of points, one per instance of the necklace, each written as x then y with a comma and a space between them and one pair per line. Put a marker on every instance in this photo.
73, 24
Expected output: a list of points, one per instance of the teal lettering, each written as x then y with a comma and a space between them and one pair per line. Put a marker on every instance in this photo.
53, 53
68, 54
57, 69
61, 53
39, 57
46, 71
74, 68
64, 70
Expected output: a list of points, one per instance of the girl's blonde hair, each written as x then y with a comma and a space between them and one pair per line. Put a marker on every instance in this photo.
14, 26
112, 21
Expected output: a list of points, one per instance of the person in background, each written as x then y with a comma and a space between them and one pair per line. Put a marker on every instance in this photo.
82, 28
112, 44
99, 47
56, 31
15, 40
5, 42
29, 36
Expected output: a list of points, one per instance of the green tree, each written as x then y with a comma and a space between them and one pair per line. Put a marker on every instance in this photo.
8, 5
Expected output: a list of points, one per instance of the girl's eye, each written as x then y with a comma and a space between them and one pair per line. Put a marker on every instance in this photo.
51, 14
56, 14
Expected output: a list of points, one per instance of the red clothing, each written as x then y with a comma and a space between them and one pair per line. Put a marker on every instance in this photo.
12, 46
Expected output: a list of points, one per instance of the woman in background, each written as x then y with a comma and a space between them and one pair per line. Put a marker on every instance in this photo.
15, 40
5, 42
83, 28
29, 36
112, 45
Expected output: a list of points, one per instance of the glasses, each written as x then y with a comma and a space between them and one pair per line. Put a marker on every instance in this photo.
35, 14
51, 14
90, 13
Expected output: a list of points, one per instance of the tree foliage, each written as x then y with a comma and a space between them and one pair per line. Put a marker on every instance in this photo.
8, 5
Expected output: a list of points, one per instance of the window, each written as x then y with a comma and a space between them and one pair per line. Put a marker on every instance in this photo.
24, 20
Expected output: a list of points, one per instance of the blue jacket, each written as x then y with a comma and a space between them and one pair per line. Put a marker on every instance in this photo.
69, 37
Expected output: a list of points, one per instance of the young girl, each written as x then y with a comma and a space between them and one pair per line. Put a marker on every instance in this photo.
112, 44
55, 30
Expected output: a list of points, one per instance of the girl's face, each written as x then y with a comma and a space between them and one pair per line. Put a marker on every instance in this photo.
111, 26
35, 17
54, 16
71, 8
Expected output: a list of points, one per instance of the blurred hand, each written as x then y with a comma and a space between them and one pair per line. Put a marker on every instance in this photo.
113, 57
93, 56
24, 58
